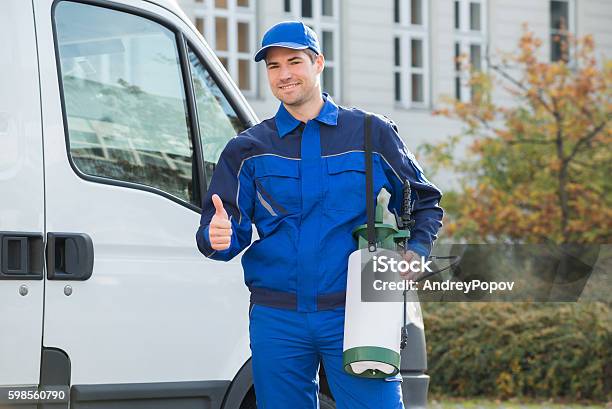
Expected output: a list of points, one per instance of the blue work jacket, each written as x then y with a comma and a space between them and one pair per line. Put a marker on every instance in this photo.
303, 186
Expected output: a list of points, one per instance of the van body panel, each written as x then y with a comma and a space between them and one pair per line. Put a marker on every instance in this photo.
21, 189
153, 310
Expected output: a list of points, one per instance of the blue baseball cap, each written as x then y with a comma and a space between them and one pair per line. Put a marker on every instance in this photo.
289, 34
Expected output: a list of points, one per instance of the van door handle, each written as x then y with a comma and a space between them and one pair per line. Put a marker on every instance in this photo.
21, 256
70, 256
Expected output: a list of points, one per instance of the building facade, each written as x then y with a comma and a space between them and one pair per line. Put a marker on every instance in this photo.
395, 57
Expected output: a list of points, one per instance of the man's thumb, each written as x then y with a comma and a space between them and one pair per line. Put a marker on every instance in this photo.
220, 211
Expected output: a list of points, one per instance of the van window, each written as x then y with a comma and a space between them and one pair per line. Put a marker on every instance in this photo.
217, 120
124, 99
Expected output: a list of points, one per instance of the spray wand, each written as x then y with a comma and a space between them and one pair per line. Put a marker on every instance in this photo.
405, 224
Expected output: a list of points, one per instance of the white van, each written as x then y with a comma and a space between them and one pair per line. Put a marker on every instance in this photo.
112, 118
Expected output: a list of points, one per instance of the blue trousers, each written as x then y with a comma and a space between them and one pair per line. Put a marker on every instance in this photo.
287, 347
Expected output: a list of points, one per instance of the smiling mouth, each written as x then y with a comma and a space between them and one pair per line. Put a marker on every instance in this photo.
289, 86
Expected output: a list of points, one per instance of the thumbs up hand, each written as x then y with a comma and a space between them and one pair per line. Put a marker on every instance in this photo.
220, 230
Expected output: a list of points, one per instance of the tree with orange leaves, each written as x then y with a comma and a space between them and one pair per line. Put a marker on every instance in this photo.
540, 169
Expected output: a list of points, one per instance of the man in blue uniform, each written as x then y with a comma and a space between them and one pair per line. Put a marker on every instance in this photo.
300, 178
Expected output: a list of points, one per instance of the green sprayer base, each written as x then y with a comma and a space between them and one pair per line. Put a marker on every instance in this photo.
371, 353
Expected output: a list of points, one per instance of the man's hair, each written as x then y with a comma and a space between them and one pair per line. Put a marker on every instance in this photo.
311, 55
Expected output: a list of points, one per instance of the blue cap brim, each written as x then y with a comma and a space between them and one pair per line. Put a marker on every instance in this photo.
261, 54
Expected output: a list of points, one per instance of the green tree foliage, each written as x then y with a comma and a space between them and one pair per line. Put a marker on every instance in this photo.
539, 169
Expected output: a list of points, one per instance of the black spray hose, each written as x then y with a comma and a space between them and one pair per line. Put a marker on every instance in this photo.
406, 224
451, 265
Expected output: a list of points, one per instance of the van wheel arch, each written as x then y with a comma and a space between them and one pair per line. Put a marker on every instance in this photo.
241, 393
240, 387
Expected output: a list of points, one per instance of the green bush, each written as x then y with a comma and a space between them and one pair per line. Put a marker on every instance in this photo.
502, 350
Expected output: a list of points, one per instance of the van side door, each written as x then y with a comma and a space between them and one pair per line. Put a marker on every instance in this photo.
129, 298
21, 201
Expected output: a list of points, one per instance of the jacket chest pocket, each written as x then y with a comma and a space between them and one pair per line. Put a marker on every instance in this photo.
346, 182
277, 187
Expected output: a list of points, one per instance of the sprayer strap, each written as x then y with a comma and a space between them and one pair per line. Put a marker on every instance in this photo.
370, 209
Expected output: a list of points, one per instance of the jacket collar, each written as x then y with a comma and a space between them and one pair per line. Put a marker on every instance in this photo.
285, 122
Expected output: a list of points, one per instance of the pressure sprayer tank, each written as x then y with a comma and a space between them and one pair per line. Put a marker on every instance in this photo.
372, 330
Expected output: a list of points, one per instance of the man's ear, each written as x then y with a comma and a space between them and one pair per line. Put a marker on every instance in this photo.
320, 63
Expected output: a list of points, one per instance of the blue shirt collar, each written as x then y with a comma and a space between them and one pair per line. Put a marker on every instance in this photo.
285, 122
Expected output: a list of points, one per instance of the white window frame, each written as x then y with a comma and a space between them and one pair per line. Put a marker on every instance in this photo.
406, 32
466, 38
234, 14
571, 27
321, 23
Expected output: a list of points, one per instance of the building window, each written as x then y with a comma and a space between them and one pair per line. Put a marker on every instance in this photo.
323, 17
411, 53
470, 41
229, 28
561, 23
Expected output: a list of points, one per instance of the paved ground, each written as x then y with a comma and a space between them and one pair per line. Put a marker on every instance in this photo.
482, 404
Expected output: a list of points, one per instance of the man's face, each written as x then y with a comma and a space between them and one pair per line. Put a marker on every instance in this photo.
293, 77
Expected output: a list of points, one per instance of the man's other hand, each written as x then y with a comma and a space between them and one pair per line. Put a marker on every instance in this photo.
410, 256
220, 230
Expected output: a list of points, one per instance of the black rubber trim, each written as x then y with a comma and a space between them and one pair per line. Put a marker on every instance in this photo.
55, 370
275, 205
54, 367
159, 395
198, 177
192, 120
